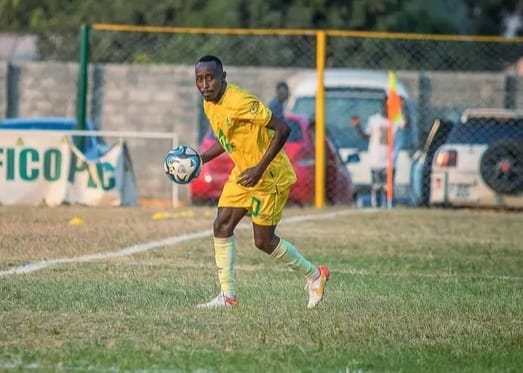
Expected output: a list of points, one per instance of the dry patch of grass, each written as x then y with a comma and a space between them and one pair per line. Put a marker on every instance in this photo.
411, 290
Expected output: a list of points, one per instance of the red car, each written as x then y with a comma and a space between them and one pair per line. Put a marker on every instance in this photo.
207, 187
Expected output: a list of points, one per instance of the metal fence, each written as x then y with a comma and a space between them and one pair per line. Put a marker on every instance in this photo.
141, 78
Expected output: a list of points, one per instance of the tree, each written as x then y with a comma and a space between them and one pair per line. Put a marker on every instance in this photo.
487, 17
56, 22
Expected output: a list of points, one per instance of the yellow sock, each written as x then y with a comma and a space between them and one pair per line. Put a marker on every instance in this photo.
286, 253
225, 256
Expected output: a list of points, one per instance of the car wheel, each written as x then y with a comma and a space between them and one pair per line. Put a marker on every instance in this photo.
501, 166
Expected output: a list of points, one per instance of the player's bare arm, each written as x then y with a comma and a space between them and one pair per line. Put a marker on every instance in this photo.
356, 123
215, 150
251, 176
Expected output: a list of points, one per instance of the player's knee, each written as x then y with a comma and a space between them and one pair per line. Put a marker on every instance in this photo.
266, 244
260, 243
222, 228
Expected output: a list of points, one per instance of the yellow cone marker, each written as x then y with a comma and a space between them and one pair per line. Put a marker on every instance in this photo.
159, 216
76, 221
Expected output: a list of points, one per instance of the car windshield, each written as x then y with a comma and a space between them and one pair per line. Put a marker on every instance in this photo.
486, 131
340, 105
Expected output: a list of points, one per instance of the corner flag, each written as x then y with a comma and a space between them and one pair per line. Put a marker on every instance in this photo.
395, 118
393, 101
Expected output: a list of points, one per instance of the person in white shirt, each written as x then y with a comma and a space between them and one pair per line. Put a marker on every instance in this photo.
376, 132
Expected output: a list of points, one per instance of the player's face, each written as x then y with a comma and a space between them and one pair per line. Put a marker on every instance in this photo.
210, 80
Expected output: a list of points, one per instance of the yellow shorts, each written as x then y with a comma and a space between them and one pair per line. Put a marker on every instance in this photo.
265, 207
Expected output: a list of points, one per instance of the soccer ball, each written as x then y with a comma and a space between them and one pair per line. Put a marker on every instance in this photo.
182, 164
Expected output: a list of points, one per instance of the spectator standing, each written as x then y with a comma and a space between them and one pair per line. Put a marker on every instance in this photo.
375, 133
278, 102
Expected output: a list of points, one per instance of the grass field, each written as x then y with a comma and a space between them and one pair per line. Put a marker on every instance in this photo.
411, 291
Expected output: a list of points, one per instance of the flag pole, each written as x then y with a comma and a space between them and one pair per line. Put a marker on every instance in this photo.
390, 168
394, 116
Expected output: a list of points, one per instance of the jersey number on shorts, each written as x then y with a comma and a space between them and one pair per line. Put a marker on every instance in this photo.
255, 206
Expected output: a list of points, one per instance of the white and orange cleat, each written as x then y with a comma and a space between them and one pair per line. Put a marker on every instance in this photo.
221, 300
316, 287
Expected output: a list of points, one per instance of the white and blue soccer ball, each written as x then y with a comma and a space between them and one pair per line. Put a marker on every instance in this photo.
182, 164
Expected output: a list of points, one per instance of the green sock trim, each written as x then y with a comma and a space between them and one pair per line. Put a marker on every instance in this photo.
286, 253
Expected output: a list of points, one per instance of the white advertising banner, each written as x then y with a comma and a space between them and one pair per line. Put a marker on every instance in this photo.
34, 168
106, 181
48, 169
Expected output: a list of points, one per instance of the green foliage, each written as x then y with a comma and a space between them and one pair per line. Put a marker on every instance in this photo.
56, 22
486, 16
443, 16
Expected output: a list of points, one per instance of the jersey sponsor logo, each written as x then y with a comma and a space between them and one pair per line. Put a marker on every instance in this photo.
229, 148
254, 107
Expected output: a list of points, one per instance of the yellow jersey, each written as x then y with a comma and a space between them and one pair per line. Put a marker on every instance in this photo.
239, 123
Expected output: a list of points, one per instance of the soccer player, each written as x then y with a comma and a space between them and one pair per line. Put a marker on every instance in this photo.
258, 185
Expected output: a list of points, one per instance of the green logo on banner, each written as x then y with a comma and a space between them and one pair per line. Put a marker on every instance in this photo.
104, 173
27, 164
30, 165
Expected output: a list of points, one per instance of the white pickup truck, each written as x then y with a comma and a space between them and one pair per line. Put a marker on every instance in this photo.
356, 92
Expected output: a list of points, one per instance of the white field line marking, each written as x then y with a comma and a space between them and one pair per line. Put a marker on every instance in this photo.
139, 248
32, 267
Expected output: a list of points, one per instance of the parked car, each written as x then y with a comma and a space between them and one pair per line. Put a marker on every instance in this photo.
358, 92
421, 168
300, 149
481, 162
93, 146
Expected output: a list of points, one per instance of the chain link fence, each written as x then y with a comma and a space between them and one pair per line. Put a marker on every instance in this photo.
141, 78
449, 79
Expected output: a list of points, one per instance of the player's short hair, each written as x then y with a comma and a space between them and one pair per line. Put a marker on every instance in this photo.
211, 58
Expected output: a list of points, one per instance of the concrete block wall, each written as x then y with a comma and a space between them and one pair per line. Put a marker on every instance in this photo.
519, 90
163, 98
147, 98
488, 89
47, 89
3, 89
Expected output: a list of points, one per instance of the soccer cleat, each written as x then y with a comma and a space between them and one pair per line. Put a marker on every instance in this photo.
316, 287
220, 301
